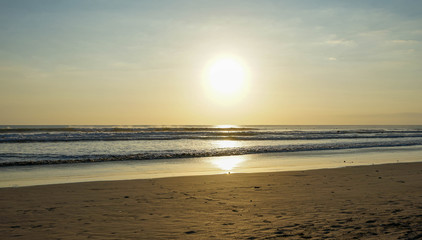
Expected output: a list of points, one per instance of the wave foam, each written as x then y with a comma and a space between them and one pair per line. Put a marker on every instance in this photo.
206, 153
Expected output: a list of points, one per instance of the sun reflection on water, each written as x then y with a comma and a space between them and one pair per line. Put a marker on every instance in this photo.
228, 163
226, 126
226, 144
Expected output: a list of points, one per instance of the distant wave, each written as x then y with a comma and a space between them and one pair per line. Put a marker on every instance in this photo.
17, 135
8, 129
207, 153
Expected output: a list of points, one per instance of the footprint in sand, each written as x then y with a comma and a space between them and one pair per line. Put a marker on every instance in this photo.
227, 224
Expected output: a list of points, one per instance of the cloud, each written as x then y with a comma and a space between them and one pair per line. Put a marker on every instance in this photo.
400, 41
375, 33
332, 59
340, 42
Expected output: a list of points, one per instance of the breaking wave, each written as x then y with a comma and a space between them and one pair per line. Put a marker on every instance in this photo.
67, 134
173, 154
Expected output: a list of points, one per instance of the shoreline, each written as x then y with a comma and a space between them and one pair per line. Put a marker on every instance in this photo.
217, 174
371, 202
251, 163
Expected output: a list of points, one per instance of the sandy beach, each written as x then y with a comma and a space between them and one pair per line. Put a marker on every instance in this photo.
364, 202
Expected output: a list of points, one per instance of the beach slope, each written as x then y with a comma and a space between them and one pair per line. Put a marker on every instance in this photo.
365, 202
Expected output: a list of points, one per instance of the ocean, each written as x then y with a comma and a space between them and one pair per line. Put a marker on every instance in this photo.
37, 148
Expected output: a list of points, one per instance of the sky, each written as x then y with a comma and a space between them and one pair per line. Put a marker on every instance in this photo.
146, 62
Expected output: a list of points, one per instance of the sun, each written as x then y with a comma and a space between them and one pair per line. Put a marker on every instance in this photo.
225, 79
226, 76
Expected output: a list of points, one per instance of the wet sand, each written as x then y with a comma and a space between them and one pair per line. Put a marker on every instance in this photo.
365, 202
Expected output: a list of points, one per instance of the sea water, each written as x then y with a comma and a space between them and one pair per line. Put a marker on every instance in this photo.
54, 154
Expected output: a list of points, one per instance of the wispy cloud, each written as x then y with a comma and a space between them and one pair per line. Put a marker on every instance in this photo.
340, 42
374, 33
400, 41
335, 40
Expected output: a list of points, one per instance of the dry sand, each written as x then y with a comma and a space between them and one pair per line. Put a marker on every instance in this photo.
368, 202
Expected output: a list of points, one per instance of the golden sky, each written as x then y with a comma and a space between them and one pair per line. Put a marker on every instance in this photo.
154, 62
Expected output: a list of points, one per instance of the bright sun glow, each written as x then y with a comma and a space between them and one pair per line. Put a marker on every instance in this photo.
225, 80
226, 76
